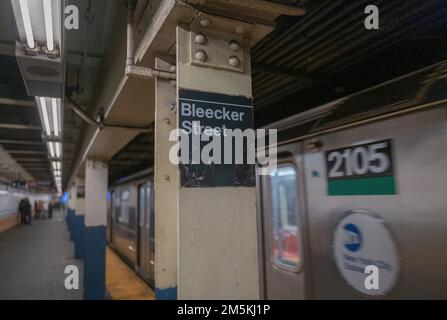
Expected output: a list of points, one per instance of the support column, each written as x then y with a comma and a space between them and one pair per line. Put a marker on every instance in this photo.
78, 218
96, 183
217, 231
71, 209
166, 189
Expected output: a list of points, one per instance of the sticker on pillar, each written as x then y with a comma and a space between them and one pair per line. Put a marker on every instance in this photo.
362, 243
217, 140
365, 169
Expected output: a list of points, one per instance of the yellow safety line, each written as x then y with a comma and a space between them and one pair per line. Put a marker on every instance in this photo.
122, 283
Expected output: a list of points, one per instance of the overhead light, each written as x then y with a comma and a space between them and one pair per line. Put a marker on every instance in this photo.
55, 117
52, 126
58, 149
44, 111
48, 14
56, 165
27, 23
51, 147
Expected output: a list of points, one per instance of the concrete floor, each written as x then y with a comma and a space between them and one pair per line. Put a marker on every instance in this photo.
33, 259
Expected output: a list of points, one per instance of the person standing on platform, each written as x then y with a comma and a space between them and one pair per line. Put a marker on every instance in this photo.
22, 211
36, 210
25, 211
28, 210
50, 209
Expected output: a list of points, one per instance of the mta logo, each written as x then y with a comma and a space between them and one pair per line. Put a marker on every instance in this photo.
352, 237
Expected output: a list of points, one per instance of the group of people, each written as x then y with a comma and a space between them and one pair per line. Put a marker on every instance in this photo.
42, 210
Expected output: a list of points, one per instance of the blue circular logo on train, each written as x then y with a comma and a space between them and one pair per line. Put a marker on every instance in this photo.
352, 237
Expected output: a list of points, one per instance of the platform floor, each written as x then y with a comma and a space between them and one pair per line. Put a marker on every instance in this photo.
33, 259
122, 283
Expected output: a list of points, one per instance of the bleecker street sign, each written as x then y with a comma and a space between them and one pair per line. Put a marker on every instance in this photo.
365, 169
211, 114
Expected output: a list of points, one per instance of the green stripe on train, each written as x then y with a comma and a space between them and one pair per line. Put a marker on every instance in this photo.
362, 187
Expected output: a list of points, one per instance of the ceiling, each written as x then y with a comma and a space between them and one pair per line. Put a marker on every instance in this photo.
20, 127
327, 54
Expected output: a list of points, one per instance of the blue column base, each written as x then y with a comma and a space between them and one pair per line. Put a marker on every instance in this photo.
78, 232
95, 263
166, 294
70, 214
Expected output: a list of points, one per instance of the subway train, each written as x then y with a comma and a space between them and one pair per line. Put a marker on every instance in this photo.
354, 207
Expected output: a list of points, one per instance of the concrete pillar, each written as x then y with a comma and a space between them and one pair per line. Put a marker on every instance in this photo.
216, 225
166, 190
96, 184
71, 209
78, 218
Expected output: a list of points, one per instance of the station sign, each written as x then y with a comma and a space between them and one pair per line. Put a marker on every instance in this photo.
362, 239
206, 118
365, 169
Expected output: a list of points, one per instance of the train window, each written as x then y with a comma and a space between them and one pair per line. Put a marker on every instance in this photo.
142, 208
117, 206
125, 207
285, 210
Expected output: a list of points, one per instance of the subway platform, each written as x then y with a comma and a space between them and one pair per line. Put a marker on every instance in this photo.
33, 260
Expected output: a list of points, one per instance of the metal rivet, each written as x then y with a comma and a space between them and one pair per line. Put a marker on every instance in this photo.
240, 30
234, 61
200, 55
234, 45
168, 121
205, 22
200, 38
173, 68
167, 178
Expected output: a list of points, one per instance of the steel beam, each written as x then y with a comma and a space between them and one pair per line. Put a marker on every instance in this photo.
14, 102
34, 143
14, 126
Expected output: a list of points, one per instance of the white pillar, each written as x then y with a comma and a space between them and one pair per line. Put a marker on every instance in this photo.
71, 209
217, 231
166, 190
78, 218
96, 184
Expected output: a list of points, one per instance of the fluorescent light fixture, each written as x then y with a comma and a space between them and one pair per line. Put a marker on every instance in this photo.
58, 149
56, 166
27, 23
46, 122
48, 14
51, 147
55, 117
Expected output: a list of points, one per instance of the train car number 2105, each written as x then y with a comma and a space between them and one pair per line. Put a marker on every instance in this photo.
365, 169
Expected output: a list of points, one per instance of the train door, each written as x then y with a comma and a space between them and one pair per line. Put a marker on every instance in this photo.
283, 221
109, 216
145, 232
116, 211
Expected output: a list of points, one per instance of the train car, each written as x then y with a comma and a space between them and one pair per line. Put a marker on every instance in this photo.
360, 182
131, 216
